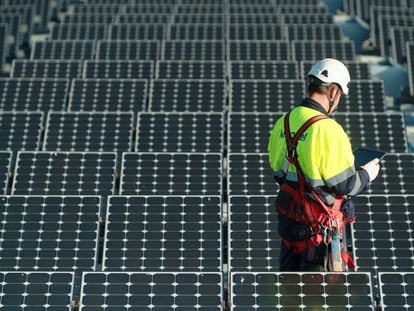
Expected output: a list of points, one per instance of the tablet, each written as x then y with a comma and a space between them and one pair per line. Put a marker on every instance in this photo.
364, 155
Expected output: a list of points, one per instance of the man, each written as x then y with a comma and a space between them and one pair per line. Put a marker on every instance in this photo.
321, 168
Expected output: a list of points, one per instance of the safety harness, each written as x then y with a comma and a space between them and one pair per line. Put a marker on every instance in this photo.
324, 220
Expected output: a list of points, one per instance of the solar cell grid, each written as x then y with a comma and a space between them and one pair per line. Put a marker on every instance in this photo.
49, 233
108, 95
301, 291
163, 233
396, 290
386, 22
382, 236
20, 130
310, 20
3, 45
181, 69
297, 2
66, 49
357, 69
180, 132
5, 167
148, 9
186, 95
258, 50
316, 49
310, 31
26, 68
399, 38
96, 8
78, 31
253, 238
36, 290
144, 18
136, 32
281, 70
151, 291
410, 65
31, 94
64, 173
265, 95
89, 131
252, 9
196, 32
26, 14
198, 9
193, 50
255, 32
255, 19
147, 173
89, 18
249, 174
118, 69
363, 6
198, 19
128, 50
13, 37
302, 9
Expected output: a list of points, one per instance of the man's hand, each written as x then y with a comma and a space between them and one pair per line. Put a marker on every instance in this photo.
372, 168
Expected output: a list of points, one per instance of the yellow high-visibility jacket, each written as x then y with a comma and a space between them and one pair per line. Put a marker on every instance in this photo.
324, 155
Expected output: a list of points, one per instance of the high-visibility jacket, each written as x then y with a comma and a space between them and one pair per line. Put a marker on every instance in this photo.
324, 155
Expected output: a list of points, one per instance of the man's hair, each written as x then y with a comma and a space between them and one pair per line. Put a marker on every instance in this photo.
317, 86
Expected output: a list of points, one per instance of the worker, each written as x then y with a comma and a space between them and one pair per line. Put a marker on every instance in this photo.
316, 175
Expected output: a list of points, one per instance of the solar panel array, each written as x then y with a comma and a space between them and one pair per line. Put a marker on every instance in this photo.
133, 155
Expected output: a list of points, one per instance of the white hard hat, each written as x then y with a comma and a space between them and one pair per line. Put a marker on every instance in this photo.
330, 70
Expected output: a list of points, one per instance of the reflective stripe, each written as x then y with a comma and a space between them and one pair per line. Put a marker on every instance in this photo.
336, 180
357, 185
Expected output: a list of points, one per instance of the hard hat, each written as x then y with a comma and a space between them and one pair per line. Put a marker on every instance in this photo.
330, 70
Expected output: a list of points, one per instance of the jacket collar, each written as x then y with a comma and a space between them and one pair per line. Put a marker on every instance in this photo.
310, 103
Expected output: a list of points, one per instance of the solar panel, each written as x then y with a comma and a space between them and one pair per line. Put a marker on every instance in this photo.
163, 233
249, 19
150, 3
3, 45
308, 31
108, 95
148, 9
136, 32
128, 50
66, 49
96, 8
89, 18
31, 94
182, 9
118, 69
20, 130
399, 37
297, 2
250, 174
254, 242
5, 167
316, 50
193, 50
302, 9
13, 37
265, 95
26, 14
301, 291
49, 233
187, 95
89, 131
37, 68
64, 173
196, 32
396, 290
104, 291
235, 9
40, 12
357, 69
410, 65
386, 22
198, 19
258, 50
36, 290
181, 69
143, 18
311, 20
78, 32
381, 236
251, 2
180, 132
255, 32
281, 70
363, 6
146, 173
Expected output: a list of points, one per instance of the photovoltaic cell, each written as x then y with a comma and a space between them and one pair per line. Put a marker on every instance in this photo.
136, 32
357, 69
151, 291
97, 8
386, 22
250, 174
36, 290
399, 37
193, 50
108, 95
396, 290
254, 243
187, 95
265, 95
118, 69
89, 131
297, 2
410, 65
149, 9
128, 50
198, 19
12, 35
308, 31
180, 132
307, 18
90, 18
237, 9
316, 50
255, 32
363, 6
49, 233
3, 45
63, 49
301, 291
5, 166
163, 233
143, 18
146, 173
302, 9
183, 9
255, 19
33, 94
258, 50
281, 70
181, 69
196, 32
25, 68
77, 31
64, 173
382, 235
